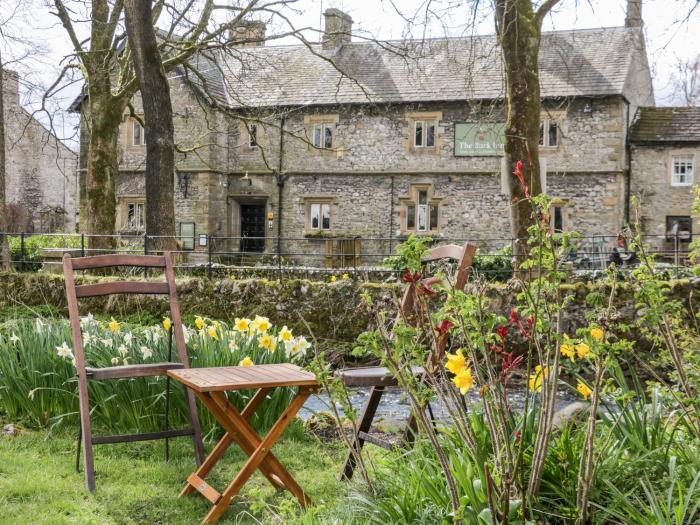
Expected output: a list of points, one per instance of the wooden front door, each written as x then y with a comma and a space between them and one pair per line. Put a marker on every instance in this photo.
253, 227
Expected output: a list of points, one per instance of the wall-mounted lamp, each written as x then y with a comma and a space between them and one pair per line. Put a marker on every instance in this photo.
588, 109
247, 180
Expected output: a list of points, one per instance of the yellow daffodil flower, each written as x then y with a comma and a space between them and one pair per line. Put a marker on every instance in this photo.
568, 350
241, 325
535, 382
346, 276
464, 380
262, 324
212, 332
285, 334
597, 334
584, 390
456, 362
199, 322
246, 361
167, 324
114, 325
583, 350
333, 278
267, 342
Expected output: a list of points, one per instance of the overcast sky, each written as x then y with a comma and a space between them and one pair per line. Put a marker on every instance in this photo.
670, 37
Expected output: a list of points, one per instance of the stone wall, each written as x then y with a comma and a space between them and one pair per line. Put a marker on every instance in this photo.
651, 184
332, 312
41, 171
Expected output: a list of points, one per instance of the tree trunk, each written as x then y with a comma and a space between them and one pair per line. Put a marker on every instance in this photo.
4, 249
103, 165
158, 116
519, 28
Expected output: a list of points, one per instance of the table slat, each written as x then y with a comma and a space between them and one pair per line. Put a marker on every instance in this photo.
243, 377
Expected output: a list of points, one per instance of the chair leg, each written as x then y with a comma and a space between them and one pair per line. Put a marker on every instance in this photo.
86, 432
77, 453
368, 412
194, 419
167, 414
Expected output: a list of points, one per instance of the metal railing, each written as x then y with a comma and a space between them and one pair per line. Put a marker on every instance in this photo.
319, 256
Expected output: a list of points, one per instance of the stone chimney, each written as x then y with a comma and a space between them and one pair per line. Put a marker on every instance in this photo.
250, 33
634, 13
338, 29
10, 87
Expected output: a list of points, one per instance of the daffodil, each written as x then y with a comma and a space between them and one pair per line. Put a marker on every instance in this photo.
464, 380
14, 338
167, 323
107, 342
146, 352
157, 335
64, 351
246, 361
199, 322
456, 362
346, 276
267, 342
584, 390
39, 324
128, 337
597, 334
261, 324
115, 360
241, 325
285, 334
535, 382
333, 278
186, 334
583, 350
568, 350
232, 345
212, 332
114, 325
123, 350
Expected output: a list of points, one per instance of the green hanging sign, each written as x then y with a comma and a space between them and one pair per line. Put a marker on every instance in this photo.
484, 139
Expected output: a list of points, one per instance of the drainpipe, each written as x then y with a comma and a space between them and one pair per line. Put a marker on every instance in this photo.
391, 217
279, 178
628, 168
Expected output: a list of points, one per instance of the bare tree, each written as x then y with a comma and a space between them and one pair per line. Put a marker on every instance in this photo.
4, 249
686, 81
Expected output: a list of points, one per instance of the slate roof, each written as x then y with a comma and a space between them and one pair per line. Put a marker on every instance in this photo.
655, 125
590, 62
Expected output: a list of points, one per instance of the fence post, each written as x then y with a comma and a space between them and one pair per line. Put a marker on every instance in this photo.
22, 252
209, 248
145, 252
279, 257
82, 245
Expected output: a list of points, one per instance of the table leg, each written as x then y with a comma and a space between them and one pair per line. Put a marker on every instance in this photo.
232, 417
226, 441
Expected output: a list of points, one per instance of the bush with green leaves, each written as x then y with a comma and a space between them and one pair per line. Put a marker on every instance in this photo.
31, 254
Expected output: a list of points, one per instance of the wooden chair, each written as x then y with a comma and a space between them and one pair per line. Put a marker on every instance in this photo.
379, 378
85, 373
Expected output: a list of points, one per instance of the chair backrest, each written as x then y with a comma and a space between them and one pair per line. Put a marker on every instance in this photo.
74, 292
463, 256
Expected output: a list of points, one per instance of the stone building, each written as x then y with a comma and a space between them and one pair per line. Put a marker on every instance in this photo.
378, 140
41, 171
665, 152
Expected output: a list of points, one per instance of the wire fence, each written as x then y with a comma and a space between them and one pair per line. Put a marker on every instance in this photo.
323, 257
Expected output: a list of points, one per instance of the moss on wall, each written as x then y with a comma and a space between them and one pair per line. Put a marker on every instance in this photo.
330, 311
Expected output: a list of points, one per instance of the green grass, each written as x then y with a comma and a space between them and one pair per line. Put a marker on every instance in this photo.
39, 484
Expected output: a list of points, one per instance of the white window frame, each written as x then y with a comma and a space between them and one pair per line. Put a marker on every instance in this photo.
142, 134
688, 162
545, 129
319, 135
319, 210
423, 214
137, 221
425, 125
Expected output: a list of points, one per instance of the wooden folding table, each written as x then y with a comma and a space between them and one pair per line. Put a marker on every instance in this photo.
210, 384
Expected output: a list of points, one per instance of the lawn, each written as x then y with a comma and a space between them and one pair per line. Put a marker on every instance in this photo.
39, 485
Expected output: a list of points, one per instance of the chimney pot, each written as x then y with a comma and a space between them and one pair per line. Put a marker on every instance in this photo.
634, 14
10, 87
338, 29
